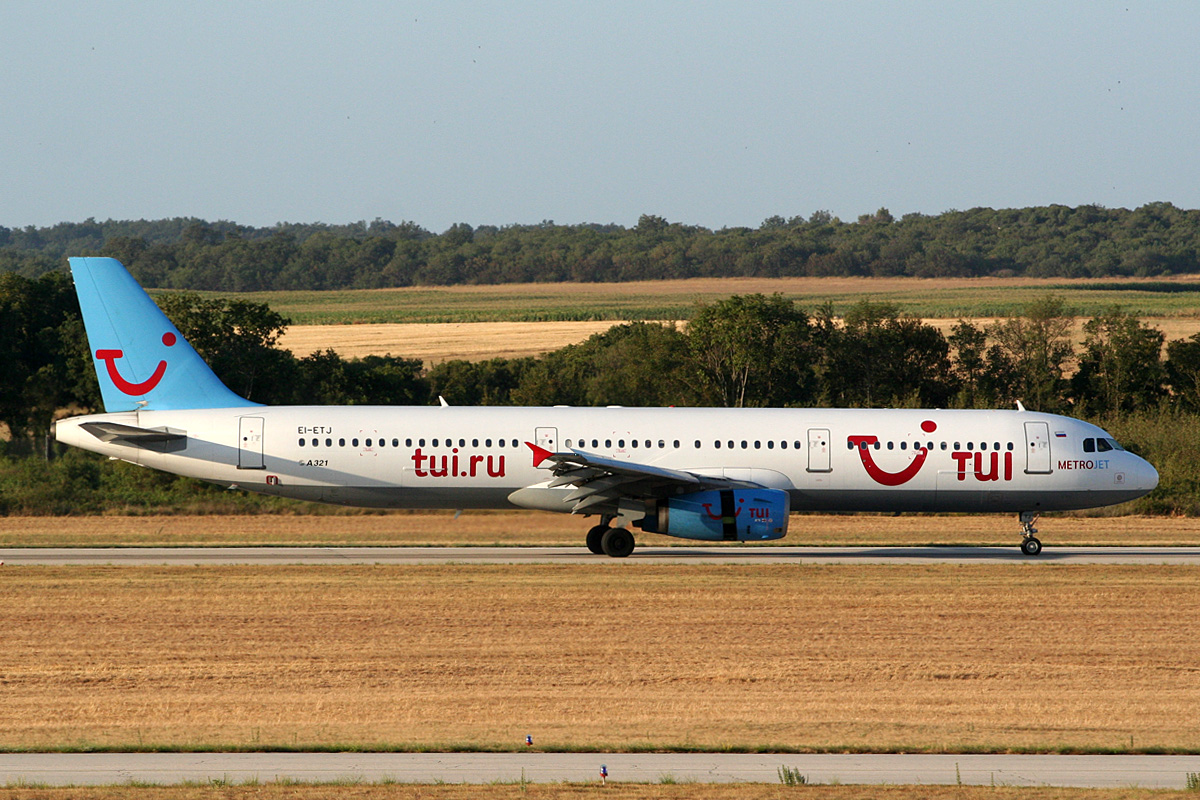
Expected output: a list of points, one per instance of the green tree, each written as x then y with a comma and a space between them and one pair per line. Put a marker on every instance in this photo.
879, 357
44, 358
752, 350
1121, 367
635, 364
1034, 354
237, 338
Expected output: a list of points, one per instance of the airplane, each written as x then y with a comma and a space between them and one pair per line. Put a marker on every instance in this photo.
714, 474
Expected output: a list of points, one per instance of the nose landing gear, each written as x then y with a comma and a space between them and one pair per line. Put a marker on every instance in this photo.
1030, 545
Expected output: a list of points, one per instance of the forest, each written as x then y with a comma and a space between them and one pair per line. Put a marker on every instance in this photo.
1051, 241
743, 351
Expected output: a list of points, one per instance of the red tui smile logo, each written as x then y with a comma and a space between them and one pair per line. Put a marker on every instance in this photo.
109, 357
881, 476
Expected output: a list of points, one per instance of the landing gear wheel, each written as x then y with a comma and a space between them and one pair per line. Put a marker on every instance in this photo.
595, 537
617, 542
1031, 546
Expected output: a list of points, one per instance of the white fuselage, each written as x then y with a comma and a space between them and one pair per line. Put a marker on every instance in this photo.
460, 457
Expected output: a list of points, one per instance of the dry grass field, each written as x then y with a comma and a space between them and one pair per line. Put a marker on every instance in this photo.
434, 343
616, 656
515, 528
612, 791
479, 341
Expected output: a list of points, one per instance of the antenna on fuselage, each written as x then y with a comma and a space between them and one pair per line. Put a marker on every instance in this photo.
1019, 406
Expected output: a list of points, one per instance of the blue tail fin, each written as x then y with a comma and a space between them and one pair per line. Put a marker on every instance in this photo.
141, 359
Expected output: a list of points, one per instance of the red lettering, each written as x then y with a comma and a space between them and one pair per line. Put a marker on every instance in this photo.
962, 458
418, 463
475, 461
994, 475
497, 472
454, 464
1008, 466
434, 473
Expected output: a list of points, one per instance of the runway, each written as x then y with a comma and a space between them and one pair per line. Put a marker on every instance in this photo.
77, 769
200, 556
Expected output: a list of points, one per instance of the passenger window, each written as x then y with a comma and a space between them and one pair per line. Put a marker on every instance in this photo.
970, 445
904, 445
634, 443
620, 442
717, 444
354, 442
676, 444
341, 442
408, 442
435, 441
302, 443
608, 443
783, 445
329, 442
743, 444
770, 445
943, 445
758, 445
697, 444
795, 444
487, 442
648, 443
368, 442
891, 445
662, 445
877, 445
1010, 445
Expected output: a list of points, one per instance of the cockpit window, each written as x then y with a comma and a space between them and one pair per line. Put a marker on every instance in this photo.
1100, 445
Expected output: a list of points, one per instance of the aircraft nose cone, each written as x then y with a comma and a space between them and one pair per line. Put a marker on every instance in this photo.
1149, 477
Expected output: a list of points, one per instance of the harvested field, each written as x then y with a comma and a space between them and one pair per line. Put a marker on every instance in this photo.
469, 341
535, 528
613, 791
615, 656
479, 341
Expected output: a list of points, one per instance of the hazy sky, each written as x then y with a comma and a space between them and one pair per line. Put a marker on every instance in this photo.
710, 113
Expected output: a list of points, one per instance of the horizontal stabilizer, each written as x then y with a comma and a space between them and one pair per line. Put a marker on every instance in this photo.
161, 439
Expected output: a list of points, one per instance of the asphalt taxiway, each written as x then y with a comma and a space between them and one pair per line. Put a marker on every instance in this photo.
579, 555
77, 769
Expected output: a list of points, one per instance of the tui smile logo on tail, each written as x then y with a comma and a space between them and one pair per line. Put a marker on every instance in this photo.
109, 357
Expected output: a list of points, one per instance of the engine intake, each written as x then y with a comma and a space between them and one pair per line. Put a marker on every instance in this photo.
720, 515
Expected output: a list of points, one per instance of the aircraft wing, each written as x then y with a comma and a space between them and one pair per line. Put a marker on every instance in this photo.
599, 480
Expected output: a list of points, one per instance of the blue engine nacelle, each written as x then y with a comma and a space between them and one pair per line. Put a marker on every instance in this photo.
720, 515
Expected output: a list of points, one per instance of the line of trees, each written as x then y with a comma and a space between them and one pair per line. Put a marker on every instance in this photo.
1050, 241
751, 350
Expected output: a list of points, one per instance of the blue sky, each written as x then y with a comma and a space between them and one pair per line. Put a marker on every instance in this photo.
709, 113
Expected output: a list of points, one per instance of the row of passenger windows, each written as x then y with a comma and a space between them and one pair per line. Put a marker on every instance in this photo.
1089, 445
648, 444
382, 442
930, 445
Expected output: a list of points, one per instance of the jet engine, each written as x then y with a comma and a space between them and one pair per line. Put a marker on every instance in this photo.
720, 515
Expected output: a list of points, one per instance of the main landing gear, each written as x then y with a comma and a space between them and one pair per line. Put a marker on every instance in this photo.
606, 541
1030, 545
